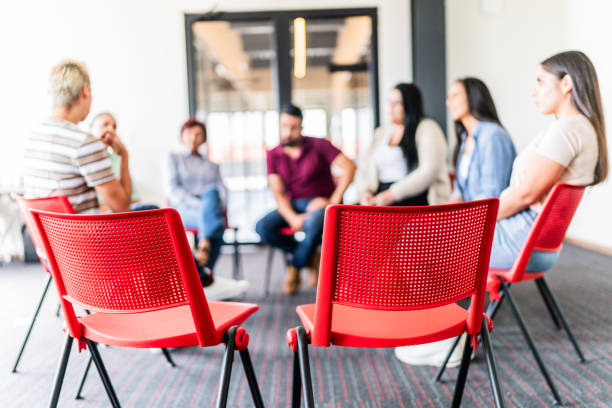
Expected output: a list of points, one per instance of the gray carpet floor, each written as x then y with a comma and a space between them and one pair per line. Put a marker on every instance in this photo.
342, 377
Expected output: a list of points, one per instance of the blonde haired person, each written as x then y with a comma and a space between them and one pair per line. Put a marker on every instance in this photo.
62, 159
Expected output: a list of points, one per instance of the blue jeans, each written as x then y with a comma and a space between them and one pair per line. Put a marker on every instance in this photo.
302, 251
208, 219
510, 235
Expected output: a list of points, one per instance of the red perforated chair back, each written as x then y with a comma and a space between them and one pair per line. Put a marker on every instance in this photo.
123, 263
58, 204
403, 258
550, 226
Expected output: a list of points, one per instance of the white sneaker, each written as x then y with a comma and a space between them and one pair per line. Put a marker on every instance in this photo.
223, 288
432, 353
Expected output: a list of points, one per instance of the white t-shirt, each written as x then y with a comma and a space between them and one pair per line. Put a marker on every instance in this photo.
571, 142
390, 161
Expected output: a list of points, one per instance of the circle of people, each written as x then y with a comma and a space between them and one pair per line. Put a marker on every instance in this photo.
405, 165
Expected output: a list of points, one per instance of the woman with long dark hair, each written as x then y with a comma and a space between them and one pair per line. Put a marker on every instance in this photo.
572, 150
406, 161
484, 151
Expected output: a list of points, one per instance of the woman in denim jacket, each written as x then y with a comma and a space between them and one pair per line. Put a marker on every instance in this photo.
484, 153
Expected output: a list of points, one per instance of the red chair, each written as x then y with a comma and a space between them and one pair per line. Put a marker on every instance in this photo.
136, 271
546, 235
56, 204
390, 276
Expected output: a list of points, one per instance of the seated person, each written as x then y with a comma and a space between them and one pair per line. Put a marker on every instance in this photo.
195, 189
484, 152
483, 161
104, 125
406, 161
62, 159
571, 150
299, 175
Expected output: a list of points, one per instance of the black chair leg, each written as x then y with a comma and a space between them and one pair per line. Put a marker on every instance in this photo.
296, 395
463, 370
226, 369
303, 342
61, 372
557, 310
268, 272
251, 378
492, 368
168, 357
59, 309
27, 336
448, 355
108, 386
530, 343
237, 268
549, 306
494, 306
83, 378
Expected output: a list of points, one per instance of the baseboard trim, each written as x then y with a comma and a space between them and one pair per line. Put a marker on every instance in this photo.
590, 245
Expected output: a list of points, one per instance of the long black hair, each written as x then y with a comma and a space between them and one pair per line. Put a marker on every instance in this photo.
480, 105
412, 102
585, 97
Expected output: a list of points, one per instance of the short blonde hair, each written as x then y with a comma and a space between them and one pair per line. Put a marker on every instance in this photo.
66, 82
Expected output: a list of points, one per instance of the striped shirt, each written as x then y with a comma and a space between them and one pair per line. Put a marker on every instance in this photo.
61, 159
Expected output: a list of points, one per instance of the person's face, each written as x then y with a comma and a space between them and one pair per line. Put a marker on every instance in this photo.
457, 101
193, 138
549, 92
103, 124
290, 128
395, 107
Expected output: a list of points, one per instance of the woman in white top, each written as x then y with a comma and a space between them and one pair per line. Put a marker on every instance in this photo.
571, 150
406, 161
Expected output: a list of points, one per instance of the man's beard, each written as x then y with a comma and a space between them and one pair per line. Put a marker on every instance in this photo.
291, 143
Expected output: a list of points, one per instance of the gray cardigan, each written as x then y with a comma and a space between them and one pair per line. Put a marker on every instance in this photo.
431, 173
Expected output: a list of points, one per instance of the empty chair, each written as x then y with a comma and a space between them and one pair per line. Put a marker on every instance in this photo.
390, 276
136, 272
58, 204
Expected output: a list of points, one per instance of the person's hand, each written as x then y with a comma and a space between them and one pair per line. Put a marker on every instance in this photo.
110, 139
297, 221
384, 198
367, 198
317, 204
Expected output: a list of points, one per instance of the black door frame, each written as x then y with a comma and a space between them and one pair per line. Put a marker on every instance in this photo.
281, 21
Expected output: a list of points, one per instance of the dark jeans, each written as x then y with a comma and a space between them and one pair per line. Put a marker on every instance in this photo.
208, 219
420, 199
268, 229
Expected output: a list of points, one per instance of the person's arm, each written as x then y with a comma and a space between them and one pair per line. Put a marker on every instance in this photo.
431, 151
114, 195
496, 159
295, 221
540, 177
176, 192
348, 169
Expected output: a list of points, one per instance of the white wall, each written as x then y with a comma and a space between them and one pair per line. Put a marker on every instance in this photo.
587, 28
504, 50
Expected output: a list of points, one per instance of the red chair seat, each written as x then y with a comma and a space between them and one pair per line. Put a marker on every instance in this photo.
146, 330
357, 327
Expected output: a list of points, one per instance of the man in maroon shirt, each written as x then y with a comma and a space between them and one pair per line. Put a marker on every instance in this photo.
299, 175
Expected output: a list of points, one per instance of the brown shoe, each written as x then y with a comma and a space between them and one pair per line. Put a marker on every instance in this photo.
292, 280
313, 269
202, 254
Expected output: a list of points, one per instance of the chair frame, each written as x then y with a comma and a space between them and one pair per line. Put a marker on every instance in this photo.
321, 335
235, 338
555, 202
